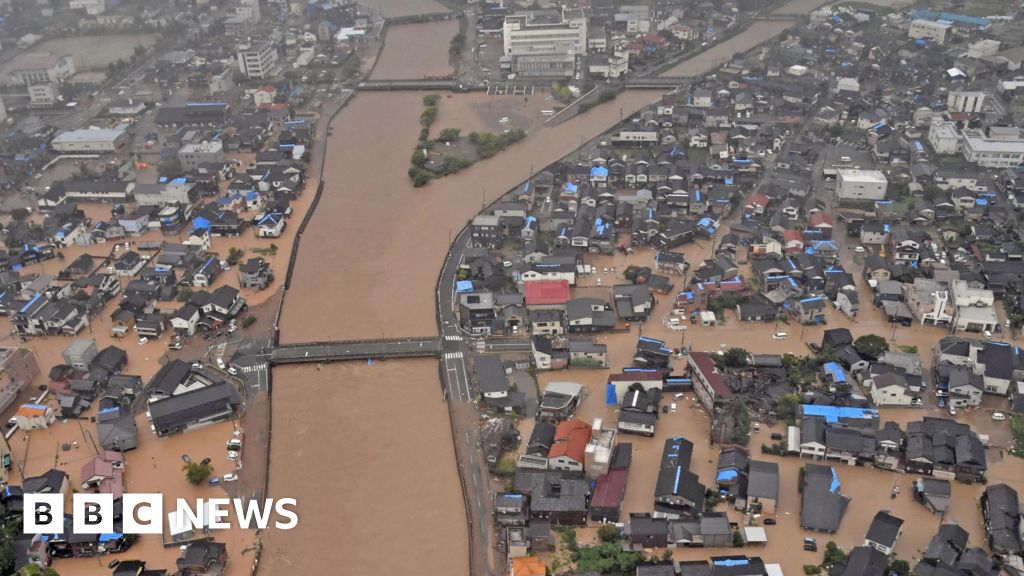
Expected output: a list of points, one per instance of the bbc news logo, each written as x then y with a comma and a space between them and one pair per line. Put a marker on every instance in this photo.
144, 514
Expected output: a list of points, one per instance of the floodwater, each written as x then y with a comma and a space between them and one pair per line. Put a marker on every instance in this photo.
89, 53
415, 51
369, 259
367, 452
801, 7
717, 55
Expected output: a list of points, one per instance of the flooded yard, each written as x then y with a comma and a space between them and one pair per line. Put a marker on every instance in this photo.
384, 240
90, 53
415, 51
367, 452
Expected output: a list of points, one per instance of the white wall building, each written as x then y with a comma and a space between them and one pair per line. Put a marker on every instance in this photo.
966, 101
998, 147
545, 32
106, 140
935, 30
41, 68
258, 60
944, 137
861, 184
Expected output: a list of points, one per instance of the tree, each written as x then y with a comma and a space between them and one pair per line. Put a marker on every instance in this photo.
740, 433
249, 321
871, 345
786, 407
901, 567
185, 294
19, 214
197, 472
36, 570
833, 555
449, 135
431, 100
734, 358
170, 168
235, 255
608, 533
428, 116
419, 158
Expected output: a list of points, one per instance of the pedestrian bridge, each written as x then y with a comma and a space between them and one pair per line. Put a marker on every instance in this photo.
356, 350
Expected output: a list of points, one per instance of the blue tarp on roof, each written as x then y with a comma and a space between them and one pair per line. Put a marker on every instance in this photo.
731, 562
949, 17
464, 286
724, 475
571, 187
110, 536
834, 413
598, 172
836, 371
835, 481
610, 397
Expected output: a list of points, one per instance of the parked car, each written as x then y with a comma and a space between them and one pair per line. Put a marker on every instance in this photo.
776, 436
230, 477
998, 416
810, 545
769, 521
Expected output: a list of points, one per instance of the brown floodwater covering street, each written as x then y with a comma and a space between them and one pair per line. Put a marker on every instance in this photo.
758, 32
413, 51
366, 450
370, 257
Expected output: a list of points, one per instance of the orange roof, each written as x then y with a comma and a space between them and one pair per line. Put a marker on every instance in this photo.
31, 410
528, 566
819, 219
546, 292
571, 438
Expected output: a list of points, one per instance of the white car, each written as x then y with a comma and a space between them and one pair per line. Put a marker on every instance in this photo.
220, 363
230, 477
232, 328
998, 416
143, 340
858, 249
780, 336
232, 370
232, 454
952, 410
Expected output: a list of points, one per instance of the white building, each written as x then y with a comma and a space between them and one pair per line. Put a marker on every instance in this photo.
966, 101
91, 7
41, 68
974, 307
854, 184
545, 32
609, 66
848, 85
258, 60
944, 137
998, 147
983, 48
194, 155
92, 141
935, 30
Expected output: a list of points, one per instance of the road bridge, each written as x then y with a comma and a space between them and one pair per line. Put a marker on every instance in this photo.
413, 84
660, 82
356, 350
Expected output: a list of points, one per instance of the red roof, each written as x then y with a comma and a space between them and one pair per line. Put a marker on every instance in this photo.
759, 200
702, 362
819, 219
610, 489
792, 235
571, 438
546, 292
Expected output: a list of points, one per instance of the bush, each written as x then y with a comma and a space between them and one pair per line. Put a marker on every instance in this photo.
184, 294
449, 135
506, 468
196, 472
431, 100
235, 255
428, 116
418, 158
608, 533
249, 321
419, 176
811, 569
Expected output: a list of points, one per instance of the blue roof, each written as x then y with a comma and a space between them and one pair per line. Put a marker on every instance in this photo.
610, 396
835, 482
598, 172
571, 187
836, 371
731, 562
834, 413
949, 17
464, 286
727, 475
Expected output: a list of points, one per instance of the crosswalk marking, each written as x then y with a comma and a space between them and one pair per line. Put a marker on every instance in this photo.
453, 355
453, 338
251, 369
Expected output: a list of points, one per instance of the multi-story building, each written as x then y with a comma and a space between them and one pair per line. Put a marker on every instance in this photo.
18, 367
966, 101
861, 185
935, 30
545, 42
996, 147
258, 60
194, 155
41, 68
944, 137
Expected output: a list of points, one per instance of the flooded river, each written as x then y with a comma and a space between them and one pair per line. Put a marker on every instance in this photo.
717, 55
398, 8
369, 259
367, 452
414, 51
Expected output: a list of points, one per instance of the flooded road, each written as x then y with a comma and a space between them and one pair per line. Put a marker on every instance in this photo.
367, 452
415, 51
369, 259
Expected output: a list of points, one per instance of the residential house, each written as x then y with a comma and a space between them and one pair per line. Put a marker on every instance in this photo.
1000, 507
569, 446
822, 504
883, 532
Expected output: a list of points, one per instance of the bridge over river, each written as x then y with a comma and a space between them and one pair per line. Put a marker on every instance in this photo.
356, 350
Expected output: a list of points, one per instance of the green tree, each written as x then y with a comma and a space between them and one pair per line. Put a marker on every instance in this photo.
870, 345
786, 407
170, 168
19, 214
449, 135
811, 569
608, 533
419, 158
197, 472
249, 321
833, 555
36, 570
431, 100
184, 294
734, 358
428, 116
10, 530
740, 433
901, 567
235, 255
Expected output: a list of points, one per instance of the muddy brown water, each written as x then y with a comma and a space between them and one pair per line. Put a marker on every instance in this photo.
720, 54
366, 449
397, 8
414, 51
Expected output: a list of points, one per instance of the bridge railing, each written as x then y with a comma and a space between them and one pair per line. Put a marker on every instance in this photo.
360, 342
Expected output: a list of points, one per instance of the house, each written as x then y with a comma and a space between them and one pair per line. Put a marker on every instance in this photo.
711, 530
1000, 506
202, 558
546, 322
271, 225
570, 443
632, 302
535, 456
104, 474
589, 315
546, 356
848, 302
822, 505
255, 273
546, 294
80, 353
194, 408
891, 389
186, 320
678, 491
527, 566
708, 383
646, 531
587, 353
933, 493
555, 496
964, 388
34, 417
946, 547
862, 561
639, 411
115, 425
52, 481
883, 532
559, 400
762, 488
490, 376
810, 310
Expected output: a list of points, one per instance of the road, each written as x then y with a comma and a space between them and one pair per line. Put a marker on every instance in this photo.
356, 350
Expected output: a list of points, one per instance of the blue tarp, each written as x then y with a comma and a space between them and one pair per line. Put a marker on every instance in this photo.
110, 536
610, 397
200, 223
834, 413
724, 475
598, 172
464, 286
731, 562
835, 481
836, 371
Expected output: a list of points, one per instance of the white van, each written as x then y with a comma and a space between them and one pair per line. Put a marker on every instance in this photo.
678, 396
220, 363
780, 336
672, 407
